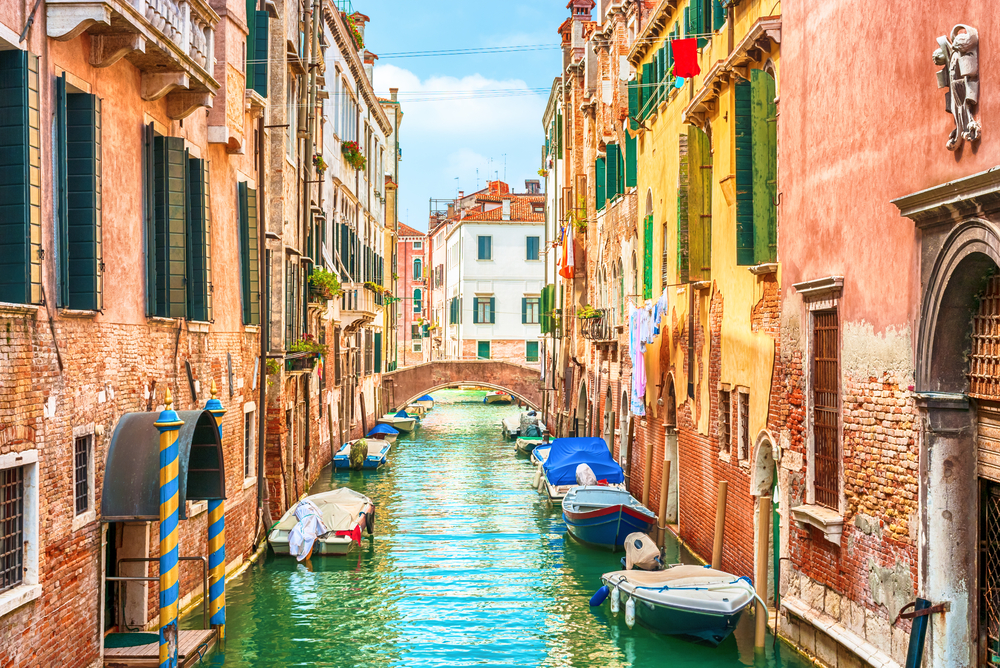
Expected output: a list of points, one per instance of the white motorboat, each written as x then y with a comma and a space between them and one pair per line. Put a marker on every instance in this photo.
401, 421
497, 397
416, 410
344, 514
694, 601
510, 426
427, 401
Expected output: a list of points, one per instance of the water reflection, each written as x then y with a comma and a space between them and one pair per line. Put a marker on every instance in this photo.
467, 567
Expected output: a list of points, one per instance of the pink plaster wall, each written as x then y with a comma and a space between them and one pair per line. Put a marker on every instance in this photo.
862, 122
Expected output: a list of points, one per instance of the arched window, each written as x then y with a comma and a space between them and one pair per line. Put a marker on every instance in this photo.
418, 301
417, 268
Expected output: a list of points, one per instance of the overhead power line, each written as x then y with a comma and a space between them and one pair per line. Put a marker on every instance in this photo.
484, 50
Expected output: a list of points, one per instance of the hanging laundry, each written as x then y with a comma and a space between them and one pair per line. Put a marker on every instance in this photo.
685, 57
638, 390
568, 268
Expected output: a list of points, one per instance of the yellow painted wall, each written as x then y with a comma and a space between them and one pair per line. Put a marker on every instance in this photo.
747, 357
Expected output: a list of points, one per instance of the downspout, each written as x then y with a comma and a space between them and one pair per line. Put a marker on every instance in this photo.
263, 272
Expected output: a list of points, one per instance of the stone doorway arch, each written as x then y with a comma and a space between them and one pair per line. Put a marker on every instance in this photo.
580, 423
609, 421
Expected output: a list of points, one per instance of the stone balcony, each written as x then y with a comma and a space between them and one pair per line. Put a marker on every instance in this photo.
358, 306
170, 41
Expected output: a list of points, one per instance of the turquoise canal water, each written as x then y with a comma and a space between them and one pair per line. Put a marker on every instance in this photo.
468, 567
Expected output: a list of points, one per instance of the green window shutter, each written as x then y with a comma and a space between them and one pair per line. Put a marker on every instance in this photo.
559, 135
149, 215
633, 104
662, 56
718, 14
654, 81
170, 217
611, 171
744, 176
688, 27
621, 167
378, 352
493, 310
483, 350
699, 21
475, 311
670, 52
631, 161
545, 308
524, 310
199, 258
20, 179
248, 255
260, 38
531, 351
699, 205
83, 250
60, 187
683, 212
647, 88
763, 132
599, 176
251, 52
647, 258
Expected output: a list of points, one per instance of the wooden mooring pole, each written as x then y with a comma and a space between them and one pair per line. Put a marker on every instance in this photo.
760, 578
664, 491
720, 524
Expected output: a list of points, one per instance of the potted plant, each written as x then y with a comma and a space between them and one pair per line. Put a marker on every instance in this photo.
359, 41
374, 287
323, 284
306, 350
319, 163
587, 312
352, 153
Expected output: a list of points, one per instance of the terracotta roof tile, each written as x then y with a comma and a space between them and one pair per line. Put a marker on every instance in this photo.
522, 209
405, 230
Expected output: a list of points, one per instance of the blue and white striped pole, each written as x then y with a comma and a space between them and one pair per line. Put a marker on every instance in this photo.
168, 425
217, 539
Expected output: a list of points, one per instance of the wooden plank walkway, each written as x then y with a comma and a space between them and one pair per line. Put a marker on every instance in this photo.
142, 656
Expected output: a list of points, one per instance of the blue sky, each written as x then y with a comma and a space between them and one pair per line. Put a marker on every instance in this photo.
444, 136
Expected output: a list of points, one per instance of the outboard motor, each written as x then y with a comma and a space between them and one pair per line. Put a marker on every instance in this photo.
585, 475
641, 553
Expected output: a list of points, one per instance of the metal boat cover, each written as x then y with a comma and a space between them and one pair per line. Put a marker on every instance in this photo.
585, 475
641, 552
567, 453
382, 429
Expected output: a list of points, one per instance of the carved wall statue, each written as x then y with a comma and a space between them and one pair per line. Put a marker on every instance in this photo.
959, 54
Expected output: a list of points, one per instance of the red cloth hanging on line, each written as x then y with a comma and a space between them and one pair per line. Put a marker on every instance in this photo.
685, 57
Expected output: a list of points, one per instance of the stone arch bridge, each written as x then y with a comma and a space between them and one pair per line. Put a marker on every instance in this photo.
403, 386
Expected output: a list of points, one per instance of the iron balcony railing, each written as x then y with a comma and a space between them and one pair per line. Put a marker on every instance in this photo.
599, 328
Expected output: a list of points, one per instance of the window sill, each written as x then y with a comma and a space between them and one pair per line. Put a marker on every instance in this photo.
766, 268
725, 457
158, 320
196, 508
830, 522
83, 520
249, 482
251, 329
198, 326
76, 313
6, 308
18, 596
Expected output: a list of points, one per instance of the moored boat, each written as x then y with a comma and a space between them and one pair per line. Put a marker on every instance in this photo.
376, 454
510, 427
416, 410
427, 401
525, 444
401, 421
604, 516
693, 601
326, 523
566, 454
497, 397
540, 454
383, 432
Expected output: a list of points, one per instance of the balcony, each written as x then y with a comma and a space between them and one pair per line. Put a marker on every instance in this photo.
358, 306
172, 42
598, 330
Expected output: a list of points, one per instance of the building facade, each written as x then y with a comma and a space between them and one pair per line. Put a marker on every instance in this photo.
414, 327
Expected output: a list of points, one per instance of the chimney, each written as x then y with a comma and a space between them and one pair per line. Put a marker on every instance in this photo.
370, 59
360, 21
533, 186
393, 93
580, 9
506, 209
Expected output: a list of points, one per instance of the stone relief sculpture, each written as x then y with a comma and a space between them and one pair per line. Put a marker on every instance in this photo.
959, 54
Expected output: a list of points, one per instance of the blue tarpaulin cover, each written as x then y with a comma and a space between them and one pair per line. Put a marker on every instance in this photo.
402, 414
383, 429
568, 453
426, 397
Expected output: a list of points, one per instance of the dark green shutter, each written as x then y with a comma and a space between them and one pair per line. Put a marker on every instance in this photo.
378, 352
248, 254
475, 310
699, 205
20, 179
493, 310
611, 171
559, 135
647, 88
170, 214
524, 310
744, 176
83, 250
633, 104
631, 161
688, 26
199, 258
699, 21
599, 176
531, 351
61, 196
763, 132
683, 214
661, 55
260, 38
251, 50
718, 14
545, 308
647, 258
149, 213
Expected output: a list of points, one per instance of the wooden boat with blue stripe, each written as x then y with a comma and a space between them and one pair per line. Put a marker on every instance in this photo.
692, 601
603, 516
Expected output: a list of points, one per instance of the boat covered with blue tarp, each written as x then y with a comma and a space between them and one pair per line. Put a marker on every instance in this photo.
566, 454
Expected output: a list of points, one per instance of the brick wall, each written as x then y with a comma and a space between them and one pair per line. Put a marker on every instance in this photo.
506, 350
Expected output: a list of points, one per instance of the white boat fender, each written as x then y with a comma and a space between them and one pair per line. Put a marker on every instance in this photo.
630, 612
616, 597
599, 596
537, 480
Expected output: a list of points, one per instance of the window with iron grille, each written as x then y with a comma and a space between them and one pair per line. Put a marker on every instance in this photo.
248, 444
11, 527
81, 473
725, 421
826, 409
743, 419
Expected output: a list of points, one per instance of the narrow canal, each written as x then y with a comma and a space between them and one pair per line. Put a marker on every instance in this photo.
468, 567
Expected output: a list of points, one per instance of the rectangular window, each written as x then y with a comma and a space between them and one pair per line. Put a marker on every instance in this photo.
531, 351
248, 436
78, 197
417, 245
485, 248
418, 301
725, 421
414, 331
169, 212
249, 274
20, 187
826, 409
11, 527
418, 268
483, 350
454, 310
418, 345
81, 473
484, 310
257, 43
337, 362
532, 248
199, 247
530, 310
368, 352
743, 424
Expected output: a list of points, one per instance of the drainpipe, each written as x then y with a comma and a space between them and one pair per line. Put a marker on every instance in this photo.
263, 273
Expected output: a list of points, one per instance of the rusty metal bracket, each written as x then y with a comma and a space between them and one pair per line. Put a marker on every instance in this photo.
939, 607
